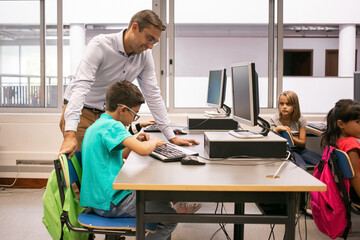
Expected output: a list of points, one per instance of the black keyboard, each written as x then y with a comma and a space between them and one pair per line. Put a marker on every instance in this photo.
321, 126
172, 153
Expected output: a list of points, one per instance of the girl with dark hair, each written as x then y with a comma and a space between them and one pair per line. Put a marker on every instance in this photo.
343, 132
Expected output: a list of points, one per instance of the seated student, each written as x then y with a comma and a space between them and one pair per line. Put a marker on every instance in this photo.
343, 132
104, 145
289, 119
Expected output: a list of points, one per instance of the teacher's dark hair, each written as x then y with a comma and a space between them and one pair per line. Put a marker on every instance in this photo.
147, 18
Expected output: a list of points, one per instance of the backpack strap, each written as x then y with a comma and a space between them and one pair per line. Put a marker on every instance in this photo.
339, 180
325, 158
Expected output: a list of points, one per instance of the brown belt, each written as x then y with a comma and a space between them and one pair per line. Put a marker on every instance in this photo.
95, 110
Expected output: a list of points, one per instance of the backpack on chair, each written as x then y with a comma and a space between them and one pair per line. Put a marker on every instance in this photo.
331, 209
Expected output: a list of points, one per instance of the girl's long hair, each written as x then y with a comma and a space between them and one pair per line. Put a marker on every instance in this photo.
345, 110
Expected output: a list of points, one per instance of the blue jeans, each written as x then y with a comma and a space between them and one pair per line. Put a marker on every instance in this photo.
304, 156
127, 208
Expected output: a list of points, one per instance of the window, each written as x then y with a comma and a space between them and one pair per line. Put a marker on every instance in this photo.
26, 84
20, 54
216, 37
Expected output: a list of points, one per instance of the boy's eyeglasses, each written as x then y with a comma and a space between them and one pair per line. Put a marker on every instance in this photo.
136, 116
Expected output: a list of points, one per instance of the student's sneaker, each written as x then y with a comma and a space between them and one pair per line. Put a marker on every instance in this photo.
187, 207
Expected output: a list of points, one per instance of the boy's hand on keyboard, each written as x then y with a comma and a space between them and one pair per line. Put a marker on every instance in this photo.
183, 142
159, 142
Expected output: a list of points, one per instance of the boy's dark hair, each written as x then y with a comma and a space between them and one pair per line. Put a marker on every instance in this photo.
124, 93
145, 19
345, 110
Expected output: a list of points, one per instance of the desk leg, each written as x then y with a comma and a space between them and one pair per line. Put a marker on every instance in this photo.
140, 211
291, 211
239, 228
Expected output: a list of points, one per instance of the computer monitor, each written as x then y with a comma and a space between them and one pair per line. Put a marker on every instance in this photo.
246, 100
216, 92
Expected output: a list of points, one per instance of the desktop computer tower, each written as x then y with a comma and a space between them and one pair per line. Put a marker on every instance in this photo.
357, 86
223, 145
202, 122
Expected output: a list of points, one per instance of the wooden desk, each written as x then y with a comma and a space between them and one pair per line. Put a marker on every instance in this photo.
236, 181
314, 131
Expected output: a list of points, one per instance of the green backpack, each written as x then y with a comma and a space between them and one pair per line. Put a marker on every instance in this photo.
53, 208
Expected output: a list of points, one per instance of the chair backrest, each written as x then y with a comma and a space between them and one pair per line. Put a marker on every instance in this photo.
344, 163
287, 136
68, 174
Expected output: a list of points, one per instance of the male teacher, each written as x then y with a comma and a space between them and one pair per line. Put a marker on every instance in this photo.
109, 58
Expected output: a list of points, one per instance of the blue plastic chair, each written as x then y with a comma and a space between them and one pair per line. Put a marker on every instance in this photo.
348, 172
113, 228
287, 136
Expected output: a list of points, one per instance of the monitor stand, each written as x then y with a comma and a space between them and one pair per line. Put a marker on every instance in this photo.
214, 114
249, 134
217, 113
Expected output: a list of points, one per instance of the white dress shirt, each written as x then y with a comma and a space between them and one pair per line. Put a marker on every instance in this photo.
105, 62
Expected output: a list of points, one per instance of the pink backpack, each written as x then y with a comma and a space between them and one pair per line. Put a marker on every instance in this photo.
331, 211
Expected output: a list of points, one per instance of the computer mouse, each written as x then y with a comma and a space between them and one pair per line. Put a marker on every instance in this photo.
192, 160
179, 131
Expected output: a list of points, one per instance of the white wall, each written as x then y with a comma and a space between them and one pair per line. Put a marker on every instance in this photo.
196, 55
28, 137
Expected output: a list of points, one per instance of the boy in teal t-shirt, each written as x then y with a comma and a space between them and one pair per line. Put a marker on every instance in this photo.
105, 144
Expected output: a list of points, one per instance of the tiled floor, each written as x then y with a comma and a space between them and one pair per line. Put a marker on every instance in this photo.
21, 212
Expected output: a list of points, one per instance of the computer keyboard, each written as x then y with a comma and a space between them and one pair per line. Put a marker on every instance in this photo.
172, 153
321, 126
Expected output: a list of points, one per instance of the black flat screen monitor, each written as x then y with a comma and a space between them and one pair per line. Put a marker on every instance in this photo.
217, 90
246, 99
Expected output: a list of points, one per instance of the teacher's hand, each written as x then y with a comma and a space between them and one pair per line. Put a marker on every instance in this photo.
69, 143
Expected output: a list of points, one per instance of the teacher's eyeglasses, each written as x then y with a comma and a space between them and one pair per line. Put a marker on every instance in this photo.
151, 40
136, 116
